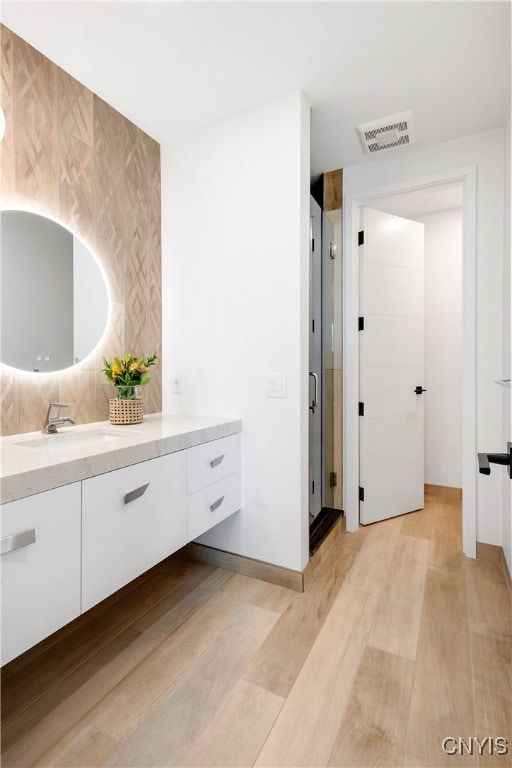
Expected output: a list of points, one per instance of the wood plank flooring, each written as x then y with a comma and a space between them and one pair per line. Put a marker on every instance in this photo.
398, 642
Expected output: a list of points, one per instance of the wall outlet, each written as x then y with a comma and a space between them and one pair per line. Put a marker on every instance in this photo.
276, 385
176, 383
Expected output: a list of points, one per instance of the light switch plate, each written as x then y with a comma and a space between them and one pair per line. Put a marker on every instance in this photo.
276, 385
176, 383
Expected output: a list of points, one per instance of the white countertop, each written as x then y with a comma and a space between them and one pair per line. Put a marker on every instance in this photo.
26, 470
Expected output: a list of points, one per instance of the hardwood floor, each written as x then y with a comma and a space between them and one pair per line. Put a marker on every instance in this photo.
398, 642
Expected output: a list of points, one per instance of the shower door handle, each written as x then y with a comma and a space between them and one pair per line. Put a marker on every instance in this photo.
314, 403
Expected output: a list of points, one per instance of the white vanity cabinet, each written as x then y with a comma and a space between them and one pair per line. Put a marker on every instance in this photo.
132, 518
66, 549
40, 567
213, 483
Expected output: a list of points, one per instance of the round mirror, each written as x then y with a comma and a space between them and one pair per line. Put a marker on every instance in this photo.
54, 298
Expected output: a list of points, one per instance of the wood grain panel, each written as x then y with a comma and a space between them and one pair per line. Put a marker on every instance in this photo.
488, 596
441, 701
84, 746
109, 182
283, 577
163, 619
8, 403
136, 226
446, 546
397, 621
34, 395
33, 731
419, 523
112, 255
443, 492
76, 187
281, 657
348, 703
78, 387
137, 268
372, 732
68, 154
7, 187
36, 135
192, 703
307, 726
75, 108
491, 650
238, 730
333, 190
373, 562
126, 706
61, 659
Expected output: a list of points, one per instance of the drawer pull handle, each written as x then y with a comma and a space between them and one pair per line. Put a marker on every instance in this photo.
17, 540
216, 504
136, 493
217, 461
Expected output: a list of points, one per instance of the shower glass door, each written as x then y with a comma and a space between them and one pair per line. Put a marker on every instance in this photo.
332, 359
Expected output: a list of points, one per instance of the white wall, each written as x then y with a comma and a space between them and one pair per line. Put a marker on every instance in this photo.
486, 151
506, 393
235, 205
443, 352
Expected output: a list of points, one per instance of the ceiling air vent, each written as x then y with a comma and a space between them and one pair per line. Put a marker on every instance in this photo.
388, 133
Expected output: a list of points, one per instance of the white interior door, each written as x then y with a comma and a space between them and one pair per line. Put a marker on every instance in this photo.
315, 361
391, 367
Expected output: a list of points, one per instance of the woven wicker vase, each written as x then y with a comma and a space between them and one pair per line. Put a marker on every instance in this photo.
127, 407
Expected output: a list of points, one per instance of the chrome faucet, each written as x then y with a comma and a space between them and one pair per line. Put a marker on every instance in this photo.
53, 418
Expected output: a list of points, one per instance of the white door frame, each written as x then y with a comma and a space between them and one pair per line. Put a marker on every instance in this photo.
351, 205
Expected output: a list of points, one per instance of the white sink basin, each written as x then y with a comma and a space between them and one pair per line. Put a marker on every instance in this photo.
70, 441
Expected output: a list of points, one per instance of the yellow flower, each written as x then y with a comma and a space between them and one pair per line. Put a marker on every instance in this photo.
117, 367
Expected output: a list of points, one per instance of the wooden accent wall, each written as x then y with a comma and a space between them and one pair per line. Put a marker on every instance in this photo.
333, 190
69, 154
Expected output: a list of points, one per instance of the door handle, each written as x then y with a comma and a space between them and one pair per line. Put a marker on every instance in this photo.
314, 403
17, 541
216, 504
132, 495
485, 459
215, 462
419, 389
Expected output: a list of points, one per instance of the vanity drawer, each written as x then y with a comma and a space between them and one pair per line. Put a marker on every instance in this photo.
40, 567
132, 518
212, 461
210, 505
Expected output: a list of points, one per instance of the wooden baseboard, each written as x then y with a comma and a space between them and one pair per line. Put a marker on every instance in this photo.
443, 492
493, 553
283, 577
506, 572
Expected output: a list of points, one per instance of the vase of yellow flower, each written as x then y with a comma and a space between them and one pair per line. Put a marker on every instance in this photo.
127, 375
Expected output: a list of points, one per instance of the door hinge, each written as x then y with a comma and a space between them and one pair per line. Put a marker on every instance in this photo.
361, 324
312, 243
333, 480
361, 494
313, 486
360, 237
361, 409
313, 325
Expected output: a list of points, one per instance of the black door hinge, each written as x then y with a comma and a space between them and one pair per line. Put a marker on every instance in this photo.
361, 324
361, 494
313, 486
360, 237
333, 480
312, 243
361, 409
313, 325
